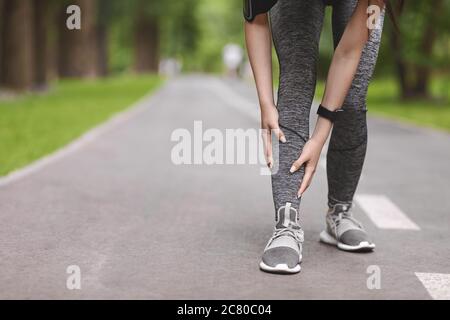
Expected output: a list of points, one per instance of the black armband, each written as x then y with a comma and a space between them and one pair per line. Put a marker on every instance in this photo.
327, 114
254, 7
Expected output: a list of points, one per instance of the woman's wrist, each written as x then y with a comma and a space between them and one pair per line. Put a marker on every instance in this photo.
318, 140
267, 105
322, 130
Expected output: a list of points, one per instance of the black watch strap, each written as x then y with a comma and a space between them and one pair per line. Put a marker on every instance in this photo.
327, 114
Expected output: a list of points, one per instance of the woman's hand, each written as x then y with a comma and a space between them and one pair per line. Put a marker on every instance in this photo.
269, 124
309, 158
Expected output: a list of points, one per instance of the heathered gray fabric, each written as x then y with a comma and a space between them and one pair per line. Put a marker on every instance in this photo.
348, 143
296, 28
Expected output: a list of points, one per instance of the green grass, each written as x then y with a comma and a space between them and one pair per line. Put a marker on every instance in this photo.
383, 101
34, 125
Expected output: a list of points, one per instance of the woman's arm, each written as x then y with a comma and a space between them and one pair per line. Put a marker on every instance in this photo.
347, 56
259, 48
340, 76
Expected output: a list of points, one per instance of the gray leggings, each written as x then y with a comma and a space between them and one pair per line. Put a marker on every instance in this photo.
296, 28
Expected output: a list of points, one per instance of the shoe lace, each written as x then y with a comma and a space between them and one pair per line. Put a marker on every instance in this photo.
338, 218
297, 234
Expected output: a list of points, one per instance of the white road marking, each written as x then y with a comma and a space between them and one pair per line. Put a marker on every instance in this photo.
384, 213
437, 284
78, 143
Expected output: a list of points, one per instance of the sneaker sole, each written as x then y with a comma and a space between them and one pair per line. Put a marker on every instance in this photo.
280, 268
364, 246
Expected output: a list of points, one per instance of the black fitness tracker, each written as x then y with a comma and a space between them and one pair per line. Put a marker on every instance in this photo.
327, 114
254, 7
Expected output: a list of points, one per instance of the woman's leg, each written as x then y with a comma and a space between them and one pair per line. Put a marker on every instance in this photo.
348, 143
296, 28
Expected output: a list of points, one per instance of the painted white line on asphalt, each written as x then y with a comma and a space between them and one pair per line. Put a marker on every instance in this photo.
79, 143
384, 213
437, 284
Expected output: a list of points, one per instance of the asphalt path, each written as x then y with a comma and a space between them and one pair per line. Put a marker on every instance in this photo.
141, 227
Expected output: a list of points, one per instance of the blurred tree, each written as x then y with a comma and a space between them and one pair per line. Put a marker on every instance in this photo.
40, 26
146, 34
220, 23
77, 50
181, 29
104, 19
17, 49
423, 24
53, 16
1, 36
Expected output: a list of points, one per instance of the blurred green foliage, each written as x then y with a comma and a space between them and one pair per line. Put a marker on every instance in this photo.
193, 31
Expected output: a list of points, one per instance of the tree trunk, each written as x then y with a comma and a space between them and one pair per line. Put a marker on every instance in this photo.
414, 79
102, 51
146, 44
423, 72
52, 56
104, 19
17, 45
40, 43
1, 38
78, 48
400, 63
63, 42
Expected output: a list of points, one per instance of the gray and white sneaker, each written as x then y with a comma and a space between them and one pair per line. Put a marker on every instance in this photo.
283, 252
344, 231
